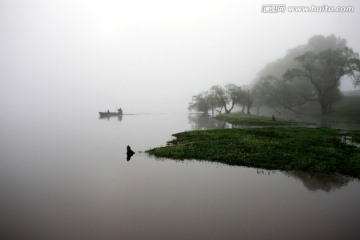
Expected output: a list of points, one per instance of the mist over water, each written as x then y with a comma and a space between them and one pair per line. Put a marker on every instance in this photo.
64, 172
68, 177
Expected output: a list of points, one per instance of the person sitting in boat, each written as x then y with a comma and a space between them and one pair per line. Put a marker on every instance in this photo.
120, 111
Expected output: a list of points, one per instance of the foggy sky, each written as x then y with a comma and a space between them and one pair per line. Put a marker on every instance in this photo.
146, 56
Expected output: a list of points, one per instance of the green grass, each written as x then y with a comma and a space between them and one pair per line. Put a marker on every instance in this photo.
314, 150
250, 120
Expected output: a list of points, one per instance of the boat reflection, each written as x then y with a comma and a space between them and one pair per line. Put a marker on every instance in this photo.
119, 118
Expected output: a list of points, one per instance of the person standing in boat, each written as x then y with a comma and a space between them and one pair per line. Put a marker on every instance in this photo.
120, 111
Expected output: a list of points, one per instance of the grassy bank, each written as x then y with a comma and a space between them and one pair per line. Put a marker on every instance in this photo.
345, 111
320, 150
250, 120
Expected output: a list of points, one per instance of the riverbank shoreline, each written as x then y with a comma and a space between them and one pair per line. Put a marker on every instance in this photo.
274, 147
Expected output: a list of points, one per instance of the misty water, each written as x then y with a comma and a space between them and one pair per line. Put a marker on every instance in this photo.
67, 177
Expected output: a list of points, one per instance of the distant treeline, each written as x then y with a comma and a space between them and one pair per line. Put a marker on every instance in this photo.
308, 73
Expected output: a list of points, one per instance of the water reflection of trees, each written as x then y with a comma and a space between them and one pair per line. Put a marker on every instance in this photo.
200, 122
314, 182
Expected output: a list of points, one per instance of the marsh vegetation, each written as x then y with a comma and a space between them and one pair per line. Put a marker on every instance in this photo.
296, 148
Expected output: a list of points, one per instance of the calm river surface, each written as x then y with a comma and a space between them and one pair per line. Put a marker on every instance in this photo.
67, 177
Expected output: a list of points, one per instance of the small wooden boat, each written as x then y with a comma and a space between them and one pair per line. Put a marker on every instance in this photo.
110, 114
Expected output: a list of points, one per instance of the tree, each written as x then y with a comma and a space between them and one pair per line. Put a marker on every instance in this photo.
289, 87
271, 90
213, 101
235, 96
226, 98
277, 93
220, 97
324, 71
200, 103
248, 99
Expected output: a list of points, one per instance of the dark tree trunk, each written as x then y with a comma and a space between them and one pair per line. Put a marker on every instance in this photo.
243, 108
230, 109
219, 111
324, 107
206, 112
248, 110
